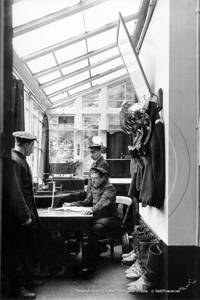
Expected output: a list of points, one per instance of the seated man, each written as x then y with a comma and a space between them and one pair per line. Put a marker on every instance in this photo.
101, 203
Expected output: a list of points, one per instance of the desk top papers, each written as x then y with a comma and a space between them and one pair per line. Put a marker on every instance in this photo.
72, 208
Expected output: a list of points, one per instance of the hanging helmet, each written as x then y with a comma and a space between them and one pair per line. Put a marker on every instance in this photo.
134, 118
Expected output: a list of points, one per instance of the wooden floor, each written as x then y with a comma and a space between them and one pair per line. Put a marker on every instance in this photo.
106, 282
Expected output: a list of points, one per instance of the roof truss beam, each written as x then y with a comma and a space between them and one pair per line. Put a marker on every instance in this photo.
49, 19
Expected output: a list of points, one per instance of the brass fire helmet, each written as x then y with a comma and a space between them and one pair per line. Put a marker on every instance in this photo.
136, 122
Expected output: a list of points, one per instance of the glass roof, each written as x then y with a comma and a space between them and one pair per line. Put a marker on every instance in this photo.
69, 46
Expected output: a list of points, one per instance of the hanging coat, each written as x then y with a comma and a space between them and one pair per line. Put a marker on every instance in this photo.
153, 182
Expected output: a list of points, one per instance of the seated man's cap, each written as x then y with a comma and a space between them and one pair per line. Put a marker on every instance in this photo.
23, 135
101, 170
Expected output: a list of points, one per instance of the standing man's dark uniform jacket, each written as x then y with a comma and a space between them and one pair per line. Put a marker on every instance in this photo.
22, 203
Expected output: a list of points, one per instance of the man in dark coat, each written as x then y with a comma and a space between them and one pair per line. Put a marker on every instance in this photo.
96, 151
24, 219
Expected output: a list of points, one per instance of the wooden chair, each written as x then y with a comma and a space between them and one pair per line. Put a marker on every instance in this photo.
123, 204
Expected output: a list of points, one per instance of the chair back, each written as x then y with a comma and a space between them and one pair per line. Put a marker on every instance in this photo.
123, 204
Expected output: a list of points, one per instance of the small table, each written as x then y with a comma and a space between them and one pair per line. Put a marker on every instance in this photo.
69, 221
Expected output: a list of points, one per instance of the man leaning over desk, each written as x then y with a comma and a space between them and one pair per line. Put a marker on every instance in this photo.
101, 203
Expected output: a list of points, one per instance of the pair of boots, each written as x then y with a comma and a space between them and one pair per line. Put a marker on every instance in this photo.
149, 269
137, 268
129, 259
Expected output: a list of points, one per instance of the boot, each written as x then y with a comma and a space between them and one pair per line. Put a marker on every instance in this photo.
139, 286
135, 273
152, 276
29, 280
154, 265
134, 266
25, 294
143, 238
128, 254
18, 290
138, 271
143, 247
128, 261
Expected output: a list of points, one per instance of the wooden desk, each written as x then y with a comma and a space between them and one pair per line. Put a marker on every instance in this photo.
69, 221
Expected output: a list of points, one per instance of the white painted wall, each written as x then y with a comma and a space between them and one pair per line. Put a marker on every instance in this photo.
168, 56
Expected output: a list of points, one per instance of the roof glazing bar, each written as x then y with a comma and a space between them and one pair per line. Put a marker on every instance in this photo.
77, 72
85, 81
61, 102
74, 61
49, 19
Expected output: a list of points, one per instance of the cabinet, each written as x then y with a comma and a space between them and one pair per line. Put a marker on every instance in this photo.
118, 143
119, 168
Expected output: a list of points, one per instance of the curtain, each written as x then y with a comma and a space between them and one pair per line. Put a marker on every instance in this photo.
18, 120
44, 162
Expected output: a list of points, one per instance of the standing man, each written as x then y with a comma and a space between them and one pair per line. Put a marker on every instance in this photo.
24, 220
96, 151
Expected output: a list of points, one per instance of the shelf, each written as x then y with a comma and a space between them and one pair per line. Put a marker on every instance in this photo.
120, 180
118, 159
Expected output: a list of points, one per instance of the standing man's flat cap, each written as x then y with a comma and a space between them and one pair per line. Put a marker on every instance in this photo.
23, 135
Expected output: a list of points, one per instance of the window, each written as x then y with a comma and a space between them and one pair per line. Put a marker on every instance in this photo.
114, 123
90, 129
61, 135
120, 92
33, 124
91, 100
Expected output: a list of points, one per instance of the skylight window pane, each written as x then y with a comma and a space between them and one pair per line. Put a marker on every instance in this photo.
93, 19
59, 97
63, 110
66, 83
29, 10
80, 88
101, 40
108, 66
49, 35
104, 55
74, 67
71, 52
107, 12
108, 77
41, 63
49, 77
